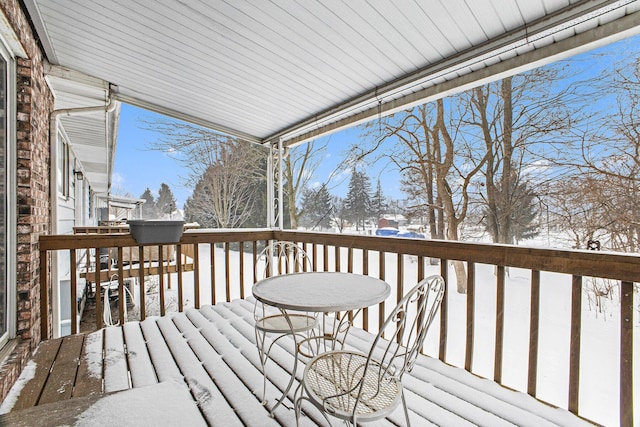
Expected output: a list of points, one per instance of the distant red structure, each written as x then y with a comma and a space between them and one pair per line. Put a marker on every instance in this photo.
390, 223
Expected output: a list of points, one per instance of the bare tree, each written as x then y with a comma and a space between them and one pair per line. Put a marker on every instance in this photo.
225, 195
610, 153
518, 119
299, 165
226, 173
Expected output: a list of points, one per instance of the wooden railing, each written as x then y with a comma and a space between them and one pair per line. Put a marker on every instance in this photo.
337, 252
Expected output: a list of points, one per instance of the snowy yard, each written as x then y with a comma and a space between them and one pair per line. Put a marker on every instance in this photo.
600, 340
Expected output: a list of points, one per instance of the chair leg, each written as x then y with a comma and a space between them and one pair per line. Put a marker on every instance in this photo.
260, 341
404, 406
297, 402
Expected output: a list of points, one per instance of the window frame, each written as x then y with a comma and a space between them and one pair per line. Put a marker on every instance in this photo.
10, 196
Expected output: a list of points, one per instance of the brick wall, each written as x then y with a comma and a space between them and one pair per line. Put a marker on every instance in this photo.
35, 103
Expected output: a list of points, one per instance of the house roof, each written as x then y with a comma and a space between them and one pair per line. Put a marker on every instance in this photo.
297, 69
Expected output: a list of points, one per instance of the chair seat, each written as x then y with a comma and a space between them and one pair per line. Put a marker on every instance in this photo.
278, 323
332, 380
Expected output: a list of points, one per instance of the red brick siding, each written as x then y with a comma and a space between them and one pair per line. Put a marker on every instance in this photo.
34, 106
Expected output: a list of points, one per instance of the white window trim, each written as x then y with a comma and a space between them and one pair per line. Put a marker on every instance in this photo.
11, 185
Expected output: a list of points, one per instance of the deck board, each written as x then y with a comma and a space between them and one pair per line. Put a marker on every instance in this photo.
63, 372
140, 366
43, 358
91, 366
116, 372
211, 353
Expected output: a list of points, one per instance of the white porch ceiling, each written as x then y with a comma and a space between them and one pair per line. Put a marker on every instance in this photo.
265, 69
92, 134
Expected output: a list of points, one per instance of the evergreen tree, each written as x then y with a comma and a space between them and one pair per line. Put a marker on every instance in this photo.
316, 208
166, 203
378, 203
338, 212
149, 207
358, 201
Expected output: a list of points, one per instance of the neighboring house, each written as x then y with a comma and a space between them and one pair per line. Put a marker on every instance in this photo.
392, 220
54, 166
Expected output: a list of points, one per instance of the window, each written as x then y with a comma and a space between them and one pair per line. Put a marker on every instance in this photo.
63, 166
7, 195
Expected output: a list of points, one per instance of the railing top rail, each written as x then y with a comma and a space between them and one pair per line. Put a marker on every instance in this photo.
109, 240
610, 265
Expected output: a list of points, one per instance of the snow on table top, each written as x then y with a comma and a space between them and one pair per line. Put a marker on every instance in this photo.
321, 291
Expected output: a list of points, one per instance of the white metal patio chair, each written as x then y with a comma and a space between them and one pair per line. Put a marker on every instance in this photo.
357, 387
280, 258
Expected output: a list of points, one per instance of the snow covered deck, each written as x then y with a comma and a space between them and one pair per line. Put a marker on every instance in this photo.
201, 367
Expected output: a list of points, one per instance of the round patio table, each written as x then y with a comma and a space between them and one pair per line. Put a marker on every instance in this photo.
321, 291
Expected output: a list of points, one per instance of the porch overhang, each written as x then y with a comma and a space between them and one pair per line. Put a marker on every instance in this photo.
265, 71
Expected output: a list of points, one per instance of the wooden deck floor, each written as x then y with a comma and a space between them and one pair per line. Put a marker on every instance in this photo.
209, 356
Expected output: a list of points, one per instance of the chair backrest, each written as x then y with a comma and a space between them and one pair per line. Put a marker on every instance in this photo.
405, 329
282, 257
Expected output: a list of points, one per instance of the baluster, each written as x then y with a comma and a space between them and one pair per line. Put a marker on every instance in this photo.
212, 259
227, 269
74, 291
626, 354
574, 354
196, 275
143, 291
179, 271
444, 306
241, 267
497, 361
533, 333
471, 275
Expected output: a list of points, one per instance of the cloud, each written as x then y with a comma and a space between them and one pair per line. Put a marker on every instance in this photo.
117, 179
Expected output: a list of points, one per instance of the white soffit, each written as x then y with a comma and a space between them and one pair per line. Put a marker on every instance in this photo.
91, 135
296, 69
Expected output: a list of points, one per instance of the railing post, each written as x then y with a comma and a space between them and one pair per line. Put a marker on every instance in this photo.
532, 383
444, 310
73, 269
471, 308
497, 361
212, 257
160, 278
400, 278
196, 275
122, 297
241, 268
626, 354
179, 271
365, 271
381, 271
227, 267
97, 279
143, 291
44, 296
574, 352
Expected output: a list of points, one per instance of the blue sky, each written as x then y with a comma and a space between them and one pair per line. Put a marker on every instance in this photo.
137, 167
